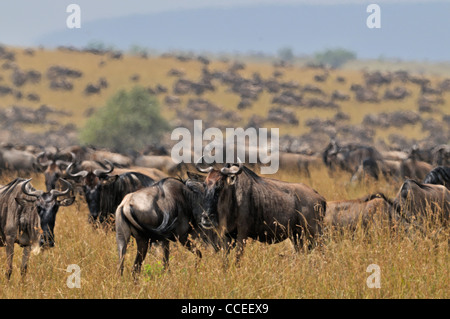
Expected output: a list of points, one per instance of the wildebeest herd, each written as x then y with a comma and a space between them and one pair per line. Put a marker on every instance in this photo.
222, 205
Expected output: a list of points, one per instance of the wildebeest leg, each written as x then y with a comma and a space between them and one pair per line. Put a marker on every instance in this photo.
123, 234
142, 248
166, 250
193, 249
9, 255
240, 245
25, 257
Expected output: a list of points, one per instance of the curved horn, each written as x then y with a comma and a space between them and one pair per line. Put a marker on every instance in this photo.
56, 193
99, 172
80, 173
30, 193
39, 158
233, 169
203, 170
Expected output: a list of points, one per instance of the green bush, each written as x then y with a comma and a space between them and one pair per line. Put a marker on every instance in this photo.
128, 121
334, 57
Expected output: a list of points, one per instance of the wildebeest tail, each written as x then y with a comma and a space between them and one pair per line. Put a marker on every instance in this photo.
163, 231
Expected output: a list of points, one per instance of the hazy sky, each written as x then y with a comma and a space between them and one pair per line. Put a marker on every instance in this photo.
22, 21
25, 22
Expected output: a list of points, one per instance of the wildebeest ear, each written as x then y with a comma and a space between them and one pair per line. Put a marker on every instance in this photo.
24, 202
66, 201
196, 177
196, 187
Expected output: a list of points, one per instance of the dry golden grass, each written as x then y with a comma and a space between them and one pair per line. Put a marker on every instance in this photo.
412, 265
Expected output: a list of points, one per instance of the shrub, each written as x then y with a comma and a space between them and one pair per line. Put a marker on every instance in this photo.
128, 121
334, 57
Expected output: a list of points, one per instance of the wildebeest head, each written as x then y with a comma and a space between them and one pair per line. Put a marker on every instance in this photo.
215, 183
47, 205
92, 183
54, 166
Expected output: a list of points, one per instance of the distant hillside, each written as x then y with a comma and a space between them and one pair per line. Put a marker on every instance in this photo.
413, 31
47, 95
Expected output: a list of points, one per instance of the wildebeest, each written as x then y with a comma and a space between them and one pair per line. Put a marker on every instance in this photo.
375, 208
12, 159
104, 192
439, 175
419, 201
54, 166
167, 210
377, 168
240, 204
348, 157
414, 169
163, 163
27, 217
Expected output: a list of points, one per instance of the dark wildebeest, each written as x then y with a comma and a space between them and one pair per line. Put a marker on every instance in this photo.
27, 217
371, 209
104, 192
439, 176
167, 210
421, 201
54, 166
240, 204
348, 157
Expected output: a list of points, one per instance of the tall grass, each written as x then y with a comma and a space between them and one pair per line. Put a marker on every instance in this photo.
412, 264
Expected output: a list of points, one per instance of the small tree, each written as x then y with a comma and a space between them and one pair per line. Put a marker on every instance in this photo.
128, 121
334, 57
286, 54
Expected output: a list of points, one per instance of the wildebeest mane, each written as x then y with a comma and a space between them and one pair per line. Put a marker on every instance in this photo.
439, 176
375, 196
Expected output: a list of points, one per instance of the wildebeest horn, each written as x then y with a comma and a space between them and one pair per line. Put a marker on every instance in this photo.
80, 173
55, 193
39, 158
233, 169
66, 163
203, 170
30, 193
99, 172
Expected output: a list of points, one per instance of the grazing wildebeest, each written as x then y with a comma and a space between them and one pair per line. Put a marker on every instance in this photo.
348, 157
27, 217
165, 211
104, 192
377, 168
371, 209
163, 163
412, 168
12, 159
439, 175
241, 205
419, 201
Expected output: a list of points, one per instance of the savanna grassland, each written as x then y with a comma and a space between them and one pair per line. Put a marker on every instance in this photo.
413, 264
